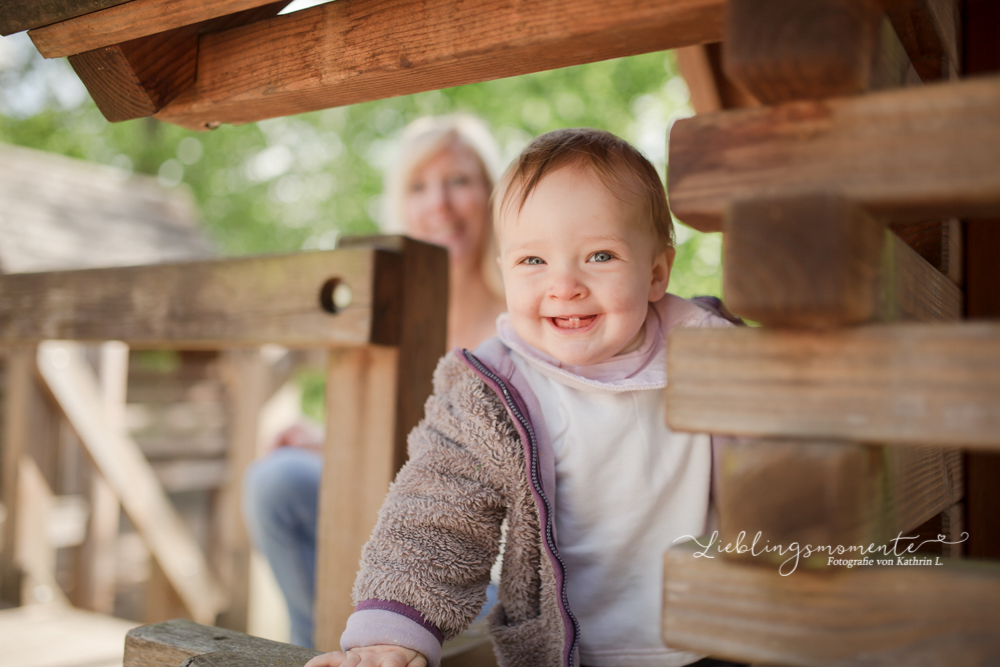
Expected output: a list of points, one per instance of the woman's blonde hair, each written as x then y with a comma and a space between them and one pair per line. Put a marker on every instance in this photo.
420, 141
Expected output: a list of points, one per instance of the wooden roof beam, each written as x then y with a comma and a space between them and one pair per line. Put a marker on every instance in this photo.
19, 15
354, 51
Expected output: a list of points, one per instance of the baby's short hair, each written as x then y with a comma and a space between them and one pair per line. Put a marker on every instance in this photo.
626, 173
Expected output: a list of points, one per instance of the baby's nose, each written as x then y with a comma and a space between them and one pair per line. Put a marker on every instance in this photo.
567, 287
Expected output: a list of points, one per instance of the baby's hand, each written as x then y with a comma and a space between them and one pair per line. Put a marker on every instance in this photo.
370, 656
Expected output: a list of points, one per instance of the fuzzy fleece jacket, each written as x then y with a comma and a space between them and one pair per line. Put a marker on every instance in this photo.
480, 456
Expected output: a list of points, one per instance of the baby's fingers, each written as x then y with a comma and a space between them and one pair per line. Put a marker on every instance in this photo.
335, 659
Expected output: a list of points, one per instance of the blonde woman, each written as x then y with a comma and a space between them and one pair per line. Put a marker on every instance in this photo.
438, 190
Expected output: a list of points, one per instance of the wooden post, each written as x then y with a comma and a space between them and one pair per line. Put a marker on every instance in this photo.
97, 554
17, 400
247, 388
374, 397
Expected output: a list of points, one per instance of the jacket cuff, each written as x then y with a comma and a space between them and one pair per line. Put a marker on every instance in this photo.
387, 622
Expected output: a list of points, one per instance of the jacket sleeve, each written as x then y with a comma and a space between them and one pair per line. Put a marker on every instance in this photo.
425, 569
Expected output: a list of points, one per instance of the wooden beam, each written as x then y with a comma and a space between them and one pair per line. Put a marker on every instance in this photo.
21, 15
933, 384
170, 643
822, 492
880, 616
206, 304
907, 154
354, 51
133, 20
130, 475
939, 242
929, 32
819, 261
782, 50
711, 90
136, 78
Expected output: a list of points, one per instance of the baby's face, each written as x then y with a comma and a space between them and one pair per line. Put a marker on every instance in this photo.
579, 268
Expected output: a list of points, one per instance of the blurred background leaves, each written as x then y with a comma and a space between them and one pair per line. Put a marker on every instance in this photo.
298, 183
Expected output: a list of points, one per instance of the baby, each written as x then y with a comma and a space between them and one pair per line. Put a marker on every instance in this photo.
548, 443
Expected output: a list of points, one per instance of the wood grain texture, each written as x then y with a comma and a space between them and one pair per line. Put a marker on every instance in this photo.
907, 154
21, 15
819, 261
170, 643
782, 50
939, 242
120, 462
324, 56
820, 492
711, 90
877, 616
360, 462
928, 30
933, 384
196, 305
136, 79
130, 21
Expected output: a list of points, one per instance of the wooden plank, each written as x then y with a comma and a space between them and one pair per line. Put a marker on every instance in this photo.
361, 438
929, 32
136, 78
907, 154
198, 305
831, 493
170, 643
21, 15
933, 384
132, 21
18, 393
949, 525
711, 90
782, 50
247, 377
819, 261
96, 584
878, 616
324, 56
129, 474
33, 551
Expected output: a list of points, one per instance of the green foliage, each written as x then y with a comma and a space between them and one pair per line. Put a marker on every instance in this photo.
299, 182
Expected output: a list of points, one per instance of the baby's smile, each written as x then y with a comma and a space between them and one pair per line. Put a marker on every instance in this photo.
573, 322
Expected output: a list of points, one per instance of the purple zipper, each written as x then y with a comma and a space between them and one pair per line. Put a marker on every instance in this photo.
496, 383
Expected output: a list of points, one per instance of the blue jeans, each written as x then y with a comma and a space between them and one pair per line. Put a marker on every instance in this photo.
280, 506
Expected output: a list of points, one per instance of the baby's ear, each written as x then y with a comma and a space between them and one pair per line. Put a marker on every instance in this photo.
663, 262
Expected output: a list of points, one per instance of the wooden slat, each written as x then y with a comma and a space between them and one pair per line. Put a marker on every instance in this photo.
782, 50
210, 304
33, 550
120, 462
170, 643
929, 31
907, 154
21, 15
881, 616
939, 242
130, 21
817, 260
816, 492
934, 384
325, 56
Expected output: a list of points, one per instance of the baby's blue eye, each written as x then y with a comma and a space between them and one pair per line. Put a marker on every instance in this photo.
534, 261
601, 256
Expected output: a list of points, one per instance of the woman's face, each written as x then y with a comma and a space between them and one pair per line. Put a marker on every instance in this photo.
447, 202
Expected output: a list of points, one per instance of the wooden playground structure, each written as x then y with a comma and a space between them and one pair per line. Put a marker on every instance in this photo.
849, 151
